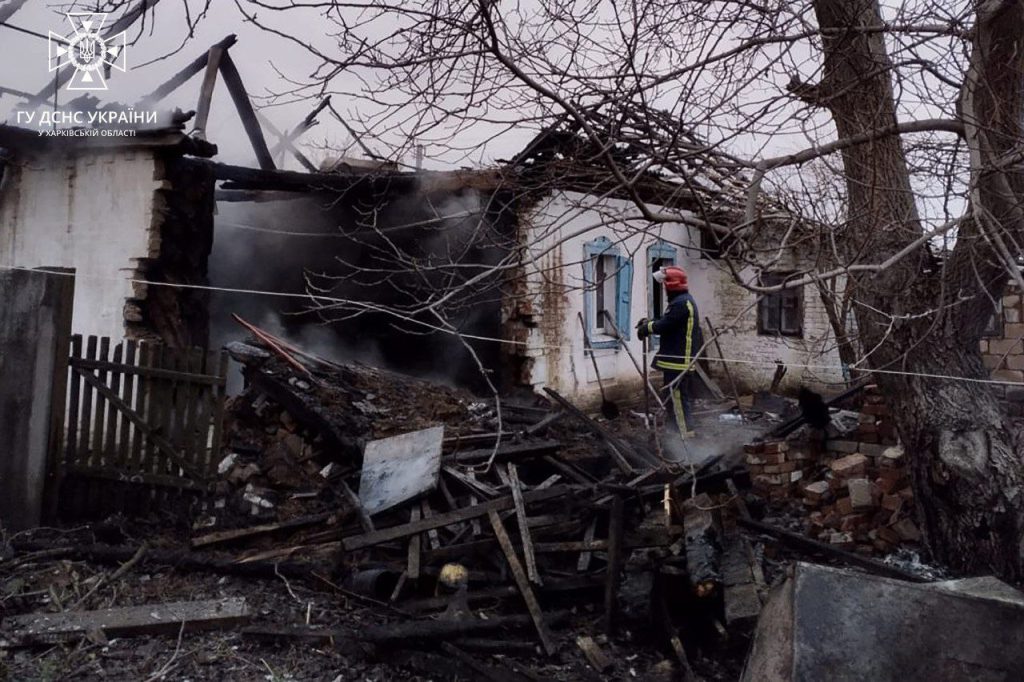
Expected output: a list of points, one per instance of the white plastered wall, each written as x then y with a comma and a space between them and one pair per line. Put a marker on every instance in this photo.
556, 232
90, 210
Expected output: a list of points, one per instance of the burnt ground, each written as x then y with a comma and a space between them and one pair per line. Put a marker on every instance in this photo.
32, 582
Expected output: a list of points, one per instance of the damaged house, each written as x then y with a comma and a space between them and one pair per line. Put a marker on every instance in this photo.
120, 211
530, 254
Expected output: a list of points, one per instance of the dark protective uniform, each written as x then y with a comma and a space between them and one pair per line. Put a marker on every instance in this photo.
681, 338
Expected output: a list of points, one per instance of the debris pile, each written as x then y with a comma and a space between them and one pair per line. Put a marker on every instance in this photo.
856, 495
394, 522
420, 499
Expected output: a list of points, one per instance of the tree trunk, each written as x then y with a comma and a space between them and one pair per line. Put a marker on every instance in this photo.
966, 475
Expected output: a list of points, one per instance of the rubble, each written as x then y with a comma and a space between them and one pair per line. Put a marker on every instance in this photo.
535, 541
512, 535
856, 495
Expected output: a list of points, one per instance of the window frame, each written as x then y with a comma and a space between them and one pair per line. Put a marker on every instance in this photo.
659, 250
778, 301
623, 285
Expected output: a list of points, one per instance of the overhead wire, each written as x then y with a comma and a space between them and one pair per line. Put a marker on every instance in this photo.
478, 337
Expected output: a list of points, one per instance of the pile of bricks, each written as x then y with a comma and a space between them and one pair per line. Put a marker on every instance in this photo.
876, 426
857, 495
863, 503
776, 468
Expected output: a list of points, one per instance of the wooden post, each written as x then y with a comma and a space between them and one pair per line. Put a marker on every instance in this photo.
233, 80
611, 587
213, 58
35, 337
522, 582
285, 143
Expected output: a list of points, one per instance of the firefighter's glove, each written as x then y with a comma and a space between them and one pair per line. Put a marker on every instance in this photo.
643, 329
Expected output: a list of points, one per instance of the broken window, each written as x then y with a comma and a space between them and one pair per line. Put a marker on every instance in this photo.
782, 312
608, 280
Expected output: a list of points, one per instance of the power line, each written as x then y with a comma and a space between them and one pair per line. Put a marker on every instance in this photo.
19, 29
476, 337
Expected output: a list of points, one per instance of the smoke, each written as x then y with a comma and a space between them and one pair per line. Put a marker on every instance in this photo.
274, 246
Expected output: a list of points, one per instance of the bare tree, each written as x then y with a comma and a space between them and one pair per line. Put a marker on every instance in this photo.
915, 108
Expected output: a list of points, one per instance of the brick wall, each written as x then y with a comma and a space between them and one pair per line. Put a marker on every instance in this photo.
1003, 354
756, 353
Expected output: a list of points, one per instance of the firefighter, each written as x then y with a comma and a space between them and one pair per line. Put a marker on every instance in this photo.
681, 338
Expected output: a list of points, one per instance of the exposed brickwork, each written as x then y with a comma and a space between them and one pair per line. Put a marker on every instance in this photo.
1004, 354
856, 496
757, 353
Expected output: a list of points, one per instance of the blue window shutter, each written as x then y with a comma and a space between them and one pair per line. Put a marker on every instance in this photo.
588, 296
624, 282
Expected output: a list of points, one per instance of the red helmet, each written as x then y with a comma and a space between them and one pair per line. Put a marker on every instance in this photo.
675, 279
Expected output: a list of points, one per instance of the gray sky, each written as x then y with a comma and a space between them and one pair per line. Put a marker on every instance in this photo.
261, 59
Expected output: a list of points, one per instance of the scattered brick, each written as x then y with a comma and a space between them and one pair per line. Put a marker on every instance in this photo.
907, 530
850, 466
888, 535
891, 502
844, 506
815, 492
860, 494
841, 539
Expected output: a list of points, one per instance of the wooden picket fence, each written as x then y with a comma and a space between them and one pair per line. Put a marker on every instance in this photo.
143, 425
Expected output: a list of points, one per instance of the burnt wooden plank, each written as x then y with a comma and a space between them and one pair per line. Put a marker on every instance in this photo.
469, 481
203, 414
440, 520
130, 621
570, 471
432, 534
364, 516
85, 439
154, 372
524, 527
636, 539
583, 563
233, 80
615, 546
595, 656
532, 605
114, 415
179, 435
218, 397
100, 409
193, 394
212, 67
157, 414
507, 452
224, 536
74, 400
412, 570
613, 446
